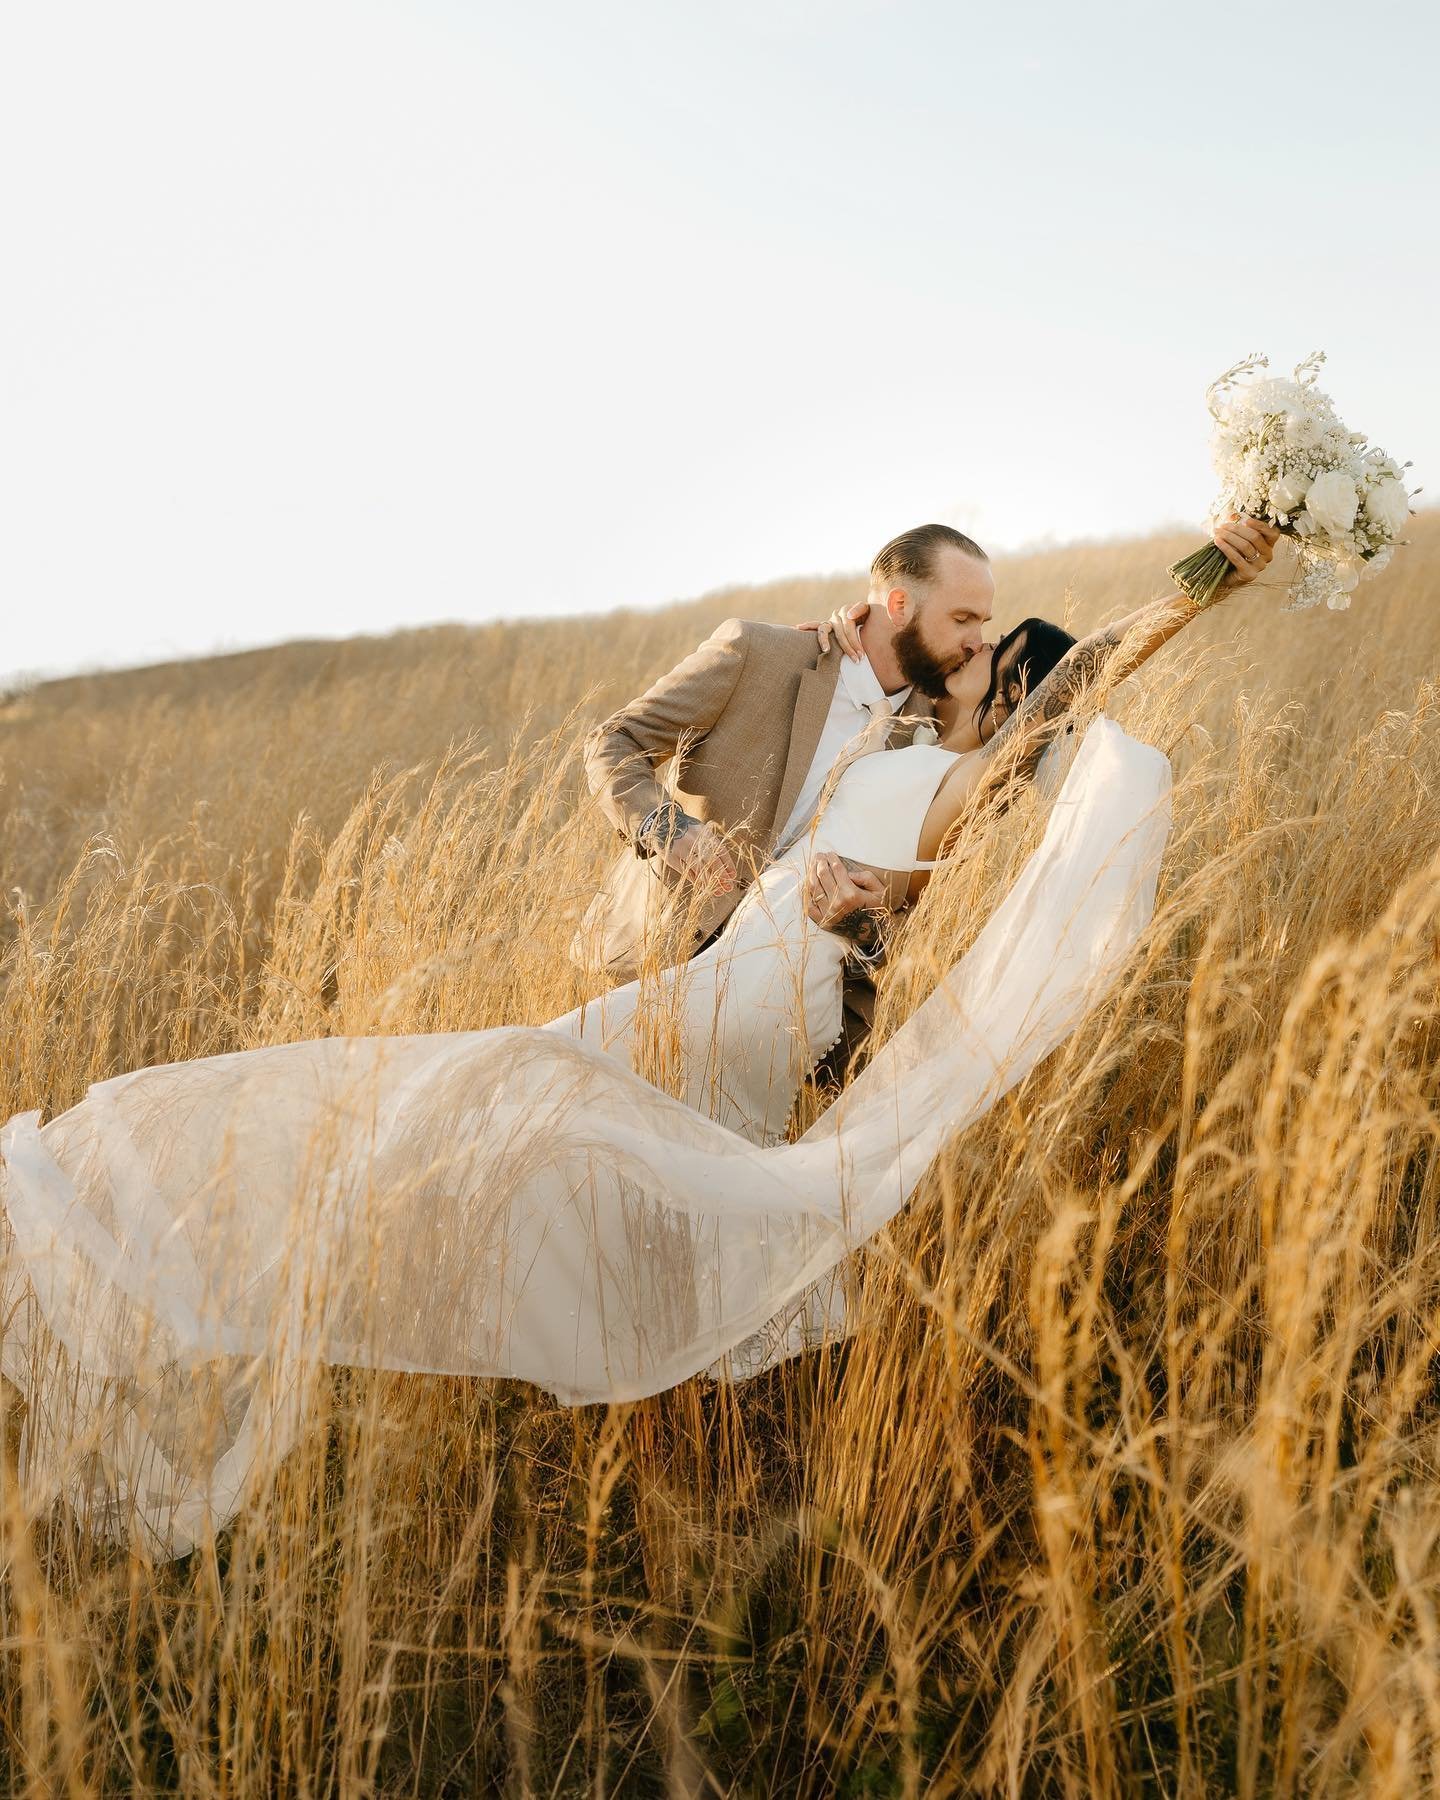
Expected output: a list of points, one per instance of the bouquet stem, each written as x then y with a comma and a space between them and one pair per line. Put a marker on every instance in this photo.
1202, 574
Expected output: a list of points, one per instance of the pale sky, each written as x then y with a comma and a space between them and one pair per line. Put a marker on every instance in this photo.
321, 318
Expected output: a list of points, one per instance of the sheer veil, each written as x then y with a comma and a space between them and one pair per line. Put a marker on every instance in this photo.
188, 1244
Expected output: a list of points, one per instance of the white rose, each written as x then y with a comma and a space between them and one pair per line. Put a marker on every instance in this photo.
1331, 502
1288, 491
925, 733
1388, 505
1378, 561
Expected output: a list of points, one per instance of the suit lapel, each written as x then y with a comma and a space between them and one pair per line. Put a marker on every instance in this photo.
812, 708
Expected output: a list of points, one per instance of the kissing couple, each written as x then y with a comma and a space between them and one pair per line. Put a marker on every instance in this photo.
189, 1245
765, 878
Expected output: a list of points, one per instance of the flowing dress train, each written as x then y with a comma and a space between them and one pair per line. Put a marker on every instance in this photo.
190, 1242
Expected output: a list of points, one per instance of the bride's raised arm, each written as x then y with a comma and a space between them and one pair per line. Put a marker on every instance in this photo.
1116, 650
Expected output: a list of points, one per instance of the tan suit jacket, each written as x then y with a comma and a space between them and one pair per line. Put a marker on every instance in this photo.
738, 722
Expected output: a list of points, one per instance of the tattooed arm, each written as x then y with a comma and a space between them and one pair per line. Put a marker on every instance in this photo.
1113, 652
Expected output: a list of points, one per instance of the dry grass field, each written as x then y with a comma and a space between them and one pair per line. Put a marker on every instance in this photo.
1129, 1484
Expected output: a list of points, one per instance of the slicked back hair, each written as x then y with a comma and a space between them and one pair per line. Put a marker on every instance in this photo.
911, 556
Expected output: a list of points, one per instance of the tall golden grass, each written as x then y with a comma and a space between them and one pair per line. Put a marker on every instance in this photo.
1129, 1482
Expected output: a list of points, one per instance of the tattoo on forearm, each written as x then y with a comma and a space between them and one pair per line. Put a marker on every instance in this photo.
860, 927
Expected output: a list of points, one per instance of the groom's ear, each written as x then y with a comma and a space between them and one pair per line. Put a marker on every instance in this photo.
899, 606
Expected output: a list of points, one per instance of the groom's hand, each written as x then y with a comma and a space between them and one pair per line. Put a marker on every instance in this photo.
831, 889
698, 852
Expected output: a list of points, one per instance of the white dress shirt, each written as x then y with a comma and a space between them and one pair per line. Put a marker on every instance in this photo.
856, 692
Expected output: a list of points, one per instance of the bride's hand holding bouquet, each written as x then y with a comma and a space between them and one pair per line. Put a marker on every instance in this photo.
1246, 544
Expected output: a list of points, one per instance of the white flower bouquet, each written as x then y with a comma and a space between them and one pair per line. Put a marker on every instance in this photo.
1284, 456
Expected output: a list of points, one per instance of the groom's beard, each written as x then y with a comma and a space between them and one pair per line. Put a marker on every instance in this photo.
918, 662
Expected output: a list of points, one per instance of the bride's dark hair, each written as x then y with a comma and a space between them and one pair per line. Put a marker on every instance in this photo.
1023, 658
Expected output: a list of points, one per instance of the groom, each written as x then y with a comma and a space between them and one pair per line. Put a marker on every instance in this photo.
751, 724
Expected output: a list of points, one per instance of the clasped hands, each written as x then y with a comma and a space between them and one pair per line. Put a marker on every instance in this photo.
832, 890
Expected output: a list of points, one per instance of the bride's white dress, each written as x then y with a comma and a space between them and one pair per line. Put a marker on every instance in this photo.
189, 1243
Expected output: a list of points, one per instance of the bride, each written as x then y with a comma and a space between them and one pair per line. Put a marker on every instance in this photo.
189, 1243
